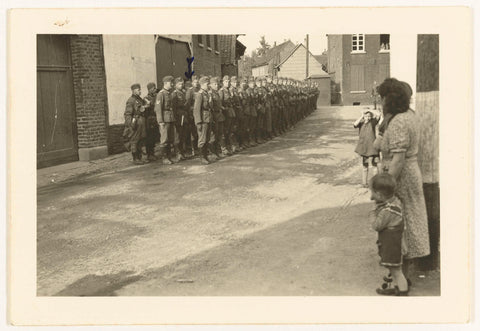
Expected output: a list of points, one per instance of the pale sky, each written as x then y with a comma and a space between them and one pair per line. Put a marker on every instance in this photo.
317, 42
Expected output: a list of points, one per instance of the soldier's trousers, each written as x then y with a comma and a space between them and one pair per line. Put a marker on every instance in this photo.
136, 144
168, 135
241, 131
181, 134
252, 126
150, 140
268, 119
205, 134
219, 130
260, 123
228, 129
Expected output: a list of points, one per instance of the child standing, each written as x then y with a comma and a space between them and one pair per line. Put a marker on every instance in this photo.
367, 132
388, 222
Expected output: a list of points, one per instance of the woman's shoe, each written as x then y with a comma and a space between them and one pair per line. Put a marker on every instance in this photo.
387, 291
399, 293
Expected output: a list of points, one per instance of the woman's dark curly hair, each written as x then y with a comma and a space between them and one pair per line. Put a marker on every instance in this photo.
397, 96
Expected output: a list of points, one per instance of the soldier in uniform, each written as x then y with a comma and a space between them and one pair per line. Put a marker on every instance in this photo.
151, 123
135, 130
229, 113
239, 123
252, 112
192, 134
260, 102
244, 117
202, 113
218, 120
166, 120
180, 106
267, 127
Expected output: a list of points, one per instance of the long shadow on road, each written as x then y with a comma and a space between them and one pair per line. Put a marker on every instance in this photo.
328, 251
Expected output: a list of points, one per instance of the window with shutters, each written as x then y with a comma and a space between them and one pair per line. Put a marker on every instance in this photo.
357, 78
358, 43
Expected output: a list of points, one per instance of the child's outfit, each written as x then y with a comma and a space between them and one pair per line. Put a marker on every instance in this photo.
365, 147
389, 224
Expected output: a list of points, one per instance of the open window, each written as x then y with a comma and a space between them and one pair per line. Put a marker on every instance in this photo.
384, 43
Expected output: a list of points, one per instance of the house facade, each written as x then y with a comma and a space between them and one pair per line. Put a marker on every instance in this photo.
231, 50
357, 63
267, 64
294, 65
83, 82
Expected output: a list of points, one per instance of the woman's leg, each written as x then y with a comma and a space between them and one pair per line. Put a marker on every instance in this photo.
399, 279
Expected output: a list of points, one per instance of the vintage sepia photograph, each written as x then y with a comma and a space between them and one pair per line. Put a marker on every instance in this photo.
237, 165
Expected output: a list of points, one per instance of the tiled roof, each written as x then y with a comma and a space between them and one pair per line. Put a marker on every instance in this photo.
272, 52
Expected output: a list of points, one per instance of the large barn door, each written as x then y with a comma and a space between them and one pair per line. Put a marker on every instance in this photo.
171, 58
56, 122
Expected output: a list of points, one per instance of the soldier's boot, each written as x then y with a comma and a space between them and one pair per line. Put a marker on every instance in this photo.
139, 157
260, 136
180, 156
135, 159
365, 177
212, 149
164, 157
224, 151
204, 155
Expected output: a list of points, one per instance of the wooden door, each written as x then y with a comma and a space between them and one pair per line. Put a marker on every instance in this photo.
383, 73
56, 122
171, 58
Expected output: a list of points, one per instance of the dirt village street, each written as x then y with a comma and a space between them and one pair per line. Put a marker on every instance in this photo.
288, 217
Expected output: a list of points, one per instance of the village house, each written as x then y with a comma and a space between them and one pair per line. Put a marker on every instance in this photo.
356, 63
266, 64
83, 82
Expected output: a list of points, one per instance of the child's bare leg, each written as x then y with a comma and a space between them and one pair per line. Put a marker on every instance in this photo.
399, 278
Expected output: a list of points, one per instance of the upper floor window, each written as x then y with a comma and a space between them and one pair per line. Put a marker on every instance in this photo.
200, 39
384, 43
358, 43
208, 40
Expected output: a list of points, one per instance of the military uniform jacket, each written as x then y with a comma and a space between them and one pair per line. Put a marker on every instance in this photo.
217, 107
227, 102
190, 96
134, 118
202, 107
150, 116
237, 101
260, 98
180, 105
164, 107
251, 102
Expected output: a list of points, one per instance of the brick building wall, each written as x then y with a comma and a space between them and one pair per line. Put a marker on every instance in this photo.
90, 92
208, 60
375, 66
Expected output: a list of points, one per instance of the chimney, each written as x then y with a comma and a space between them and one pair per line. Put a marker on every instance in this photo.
274, 44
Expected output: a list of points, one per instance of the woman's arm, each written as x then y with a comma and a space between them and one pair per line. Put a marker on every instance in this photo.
396, 165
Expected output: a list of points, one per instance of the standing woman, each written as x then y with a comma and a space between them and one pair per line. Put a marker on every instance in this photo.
399, 147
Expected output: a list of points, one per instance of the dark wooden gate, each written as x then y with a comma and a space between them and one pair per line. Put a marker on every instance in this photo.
171, 57
56, 122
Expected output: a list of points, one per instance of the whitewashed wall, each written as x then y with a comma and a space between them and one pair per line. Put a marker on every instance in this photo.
260, 71
129, 59
295, 66
403, 60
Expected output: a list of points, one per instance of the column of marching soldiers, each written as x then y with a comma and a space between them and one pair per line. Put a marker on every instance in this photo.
212, 118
